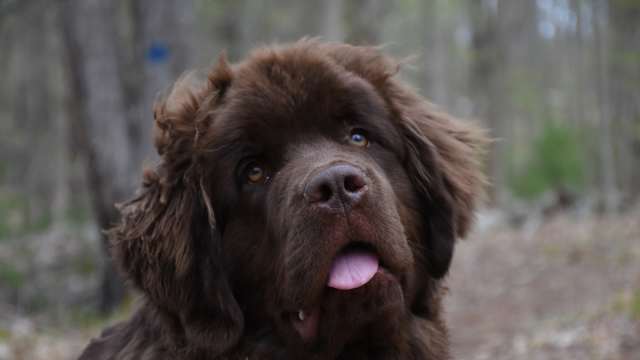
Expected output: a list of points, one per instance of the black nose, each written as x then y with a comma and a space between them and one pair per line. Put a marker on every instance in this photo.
336, 186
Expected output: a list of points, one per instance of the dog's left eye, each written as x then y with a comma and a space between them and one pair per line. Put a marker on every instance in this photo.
255, 174
358, 138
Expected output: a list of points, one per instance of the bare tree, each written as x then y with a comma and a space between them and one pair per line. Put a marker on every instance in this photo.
624, 75
610, 195
487, 82
89, 35
365, 21
164, 48
333, 28
436, 57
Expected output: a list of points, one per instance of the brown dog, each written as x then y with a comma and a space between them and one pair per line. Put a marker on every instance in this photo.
306, 207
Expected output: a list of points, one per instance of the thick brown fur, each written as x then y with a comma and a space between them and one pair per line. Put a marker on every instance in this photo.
224, 264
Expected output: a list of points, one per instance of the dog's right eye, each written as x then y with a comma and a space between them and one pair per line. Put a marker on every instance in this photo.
358, 138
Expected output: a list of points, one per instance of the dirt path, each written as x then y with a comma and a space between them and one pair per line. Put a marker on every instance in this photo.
567, 289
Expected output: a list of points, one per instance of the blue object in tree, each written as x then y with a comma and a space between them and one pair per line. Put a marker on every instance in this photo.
158, 52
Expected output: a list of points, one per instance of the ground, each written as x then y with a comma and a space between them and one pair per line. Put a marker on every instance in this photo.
567, 287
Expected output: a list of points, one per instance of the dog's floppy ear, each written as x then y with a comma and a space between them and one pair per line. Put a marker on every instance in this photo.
443, 161
443, 154
167, 243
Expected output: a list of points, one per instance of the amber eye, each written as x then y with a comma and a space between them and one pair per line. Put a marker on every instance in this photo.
357, 138
255, 174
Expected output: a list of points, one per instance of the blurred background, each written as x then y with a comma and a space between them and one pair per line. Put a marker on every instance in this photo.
552, 270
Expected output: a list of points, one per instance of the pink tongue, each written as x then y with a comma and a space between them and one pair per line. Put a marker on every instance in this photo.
352, 270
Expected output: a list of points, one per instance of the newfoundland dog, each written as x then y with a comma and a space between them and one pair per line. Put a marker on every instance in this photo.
306, 206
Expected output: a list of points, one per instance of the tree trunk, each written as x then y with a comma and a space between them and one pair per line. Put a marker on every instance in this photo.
436, 56
165, 38
486, 85
624, 75
365, 21
333, 29
89, 36
610, 195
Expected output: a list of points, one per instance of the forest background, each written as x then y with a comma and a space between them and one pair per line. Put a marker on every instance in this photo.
553, 267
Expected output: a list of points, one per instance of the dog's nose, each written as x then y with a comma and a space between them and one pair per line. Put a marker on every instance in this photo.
336, 185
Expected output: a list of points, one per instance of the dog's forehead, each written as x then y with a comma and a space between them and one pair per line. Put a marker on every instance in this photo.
285, 97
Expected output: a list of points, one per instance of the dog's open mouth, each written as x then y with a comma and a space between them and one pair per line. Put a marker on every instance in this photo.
353, 267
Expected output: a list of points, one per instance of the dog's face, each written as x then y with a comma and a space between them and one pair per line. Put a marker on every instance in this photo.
305, 192
309, 195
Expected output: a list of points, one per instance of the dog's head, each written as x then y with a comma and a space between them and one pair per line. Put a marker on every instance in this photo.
304, 190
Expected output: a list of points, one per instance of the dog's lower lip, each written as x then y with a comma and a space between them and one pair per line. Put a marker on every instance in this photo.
305, 323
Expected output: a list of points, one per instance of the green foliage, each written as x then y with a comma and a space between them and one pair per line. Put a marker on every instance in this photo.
10, 276
39, 224
626, 5
15, 216
84, 264
78, 215
635, 305
3, 170
627, 57
12, 213
628, 303
90, 318
555, 162
525, 92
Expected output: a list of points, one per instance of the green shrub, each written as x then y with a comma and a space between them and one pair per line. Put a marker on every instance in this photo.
10, 276
635, 305
12, 213
554, 163
78, 215
15, 217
